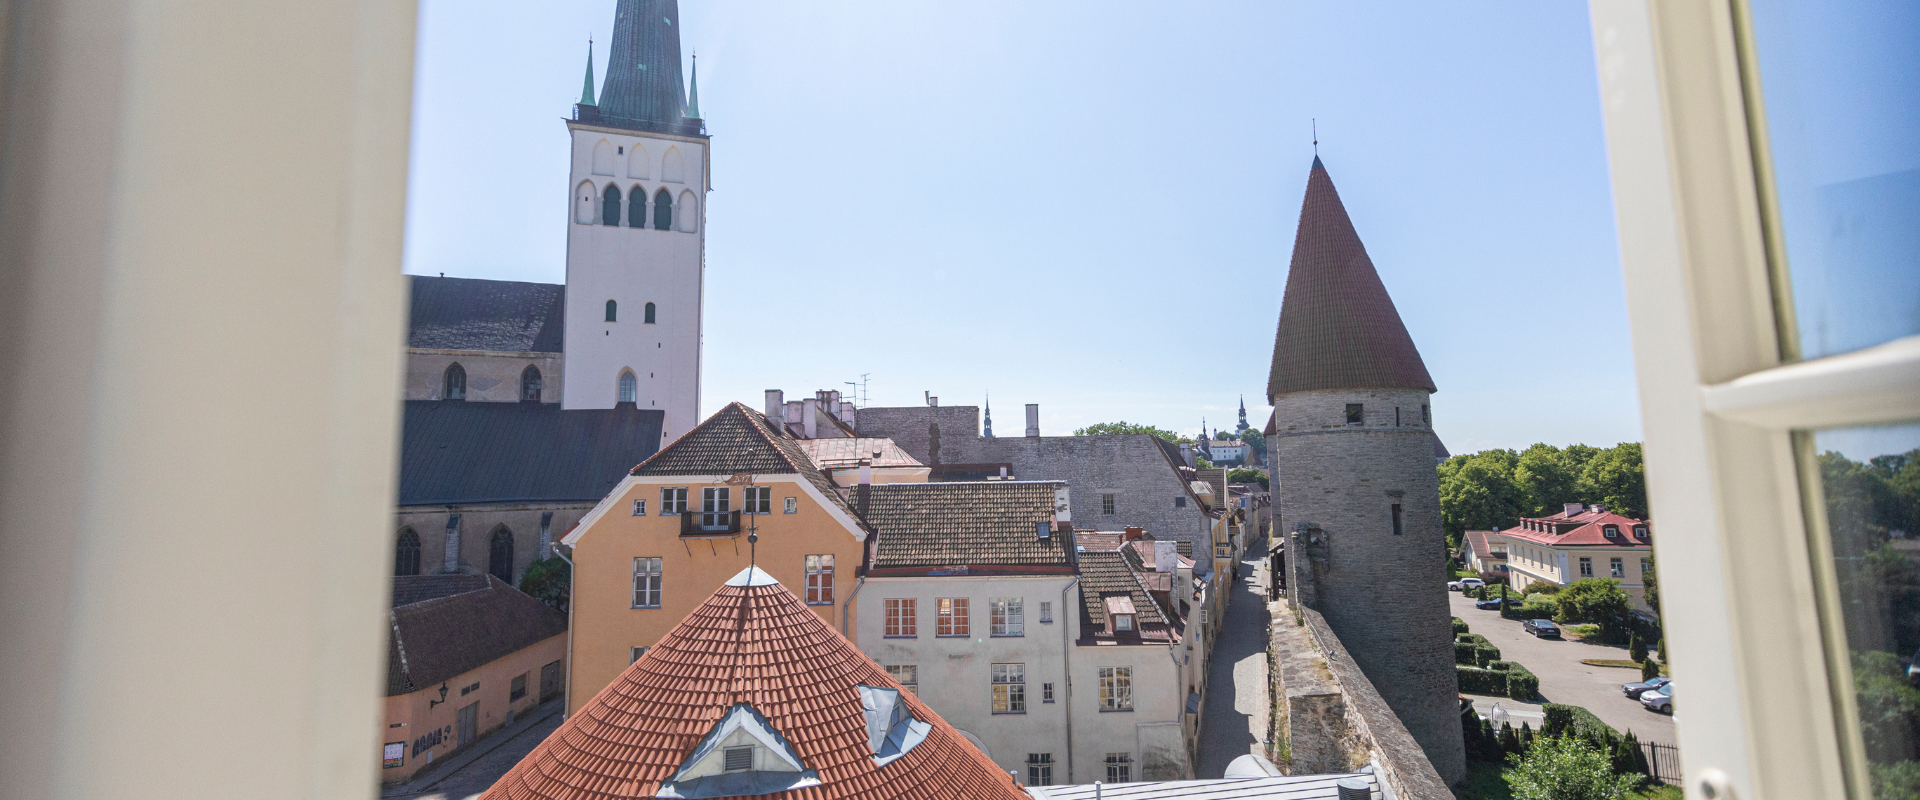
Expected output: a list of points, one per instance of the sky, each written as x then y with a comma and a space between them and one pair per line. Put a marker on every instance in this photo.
1089, 206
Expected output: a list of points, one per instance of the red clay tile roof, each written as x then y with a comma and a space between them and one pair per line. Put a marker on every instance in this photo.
757, 645
1482, 543
1338, 326
1585, 529
737, 439
454, 624
1118, 574
945, 525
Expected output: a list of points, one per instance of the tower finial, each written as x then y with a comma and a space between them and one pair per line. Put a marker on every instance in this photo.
693, 93
1316, 138
586, 90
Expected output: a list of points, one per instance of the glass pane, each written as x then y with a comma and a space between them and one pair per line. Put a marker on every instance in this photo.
1841, 85
1870, 477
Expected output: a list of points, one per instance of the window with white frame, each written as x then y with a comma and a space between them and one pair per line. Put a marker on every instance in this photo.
1610, 531
1119, 767
646, 582
901, 620
792, 505
673, 501
1046, 693
907, 675
1008, 617
1116, 688
1039, 769
634, 653
1617, 567
820, 580
1586, 567
951, 617
1046, 612
715, 507
639, 508
1009, 688
759, 500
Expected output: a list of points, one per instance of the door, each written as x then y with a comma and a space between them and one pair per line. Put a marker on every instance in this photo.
550, 682
468, 725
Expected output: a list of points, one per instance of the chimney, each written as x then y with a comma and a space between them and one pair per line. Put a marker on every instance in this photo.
1597, 508
1033, 419
1135, 533
810, 416
1573, 509
931, 400
1186, 453
866, 473
1003, 473
1062, 508
1166, 556
776, 408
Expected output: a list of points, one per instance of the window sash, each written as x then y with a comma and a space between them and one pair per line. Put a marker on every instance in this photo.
1116, 688
1009, 618
820, 579
901, 619
907, 675
673, 501
1009, 688
759, 500
646, 582
952, 617
715, 507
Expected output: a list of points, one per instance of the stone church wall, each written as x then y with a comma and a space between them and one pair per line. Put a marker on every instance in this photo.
477, 525
492, 377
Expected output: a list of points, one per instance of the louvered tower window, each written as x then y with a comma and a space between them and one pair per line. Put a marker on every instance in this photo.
610, 206
662, 211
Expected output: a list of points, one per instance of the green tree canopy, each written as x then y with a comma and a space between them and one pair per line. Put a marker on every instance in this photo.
1477, 493
1123, 426
549, 581
1597, 600
1493, 489
1566, 768
1243, 475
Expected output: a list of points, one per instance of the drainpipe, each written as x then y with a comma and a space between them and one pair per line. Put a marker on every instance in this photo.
566, 695
846, 609
1066, 657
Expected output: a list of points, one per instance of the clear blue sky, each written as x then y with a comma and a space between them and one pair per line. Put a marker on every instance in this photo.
1089, 206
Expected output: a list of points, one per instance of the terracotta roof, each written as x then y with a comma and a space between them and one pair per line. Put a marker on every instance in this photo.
1338, 327
1118, 574
1482, 543
1585, 529
754, 644
848, 452
1100, 541
737, 439
439, 638
948, 525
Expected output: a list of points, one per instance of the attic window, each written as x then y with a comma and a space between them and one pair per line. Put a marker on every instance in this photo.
1612, 531
1123, 622
1640, 531
1044, 529
1355, 413
739, 759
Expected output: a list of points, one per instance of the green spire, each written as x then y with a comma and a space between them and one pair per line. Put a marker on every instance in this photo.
693, 93
586, 90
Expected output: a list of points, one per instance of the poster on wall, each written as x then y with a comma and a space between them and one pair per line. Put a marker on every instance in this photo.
393, 755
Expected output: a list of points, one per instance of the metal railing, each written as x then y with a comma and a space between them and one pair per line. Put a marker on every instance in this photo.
1663, 761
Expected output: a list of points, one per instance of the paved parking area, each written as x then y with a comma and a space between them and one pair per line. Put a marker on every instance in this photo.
1563, 679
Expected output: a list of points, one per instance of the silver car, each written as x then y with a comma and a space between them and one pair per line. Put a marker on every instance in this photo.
1660, 699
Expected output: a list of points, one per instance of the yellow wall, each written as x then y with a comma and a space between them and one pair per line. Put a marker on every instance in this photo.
605, 623
410, 717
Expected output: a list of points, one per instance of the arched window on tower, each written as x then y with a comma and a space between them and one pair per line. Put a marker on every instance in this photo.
636, 162
603, 158
610, 206
583, 211
686, 212
456, 388
530, 384
629, 388
671, 170
613, 311
662, 211
649, 313
500, 555
637, 207
406, 553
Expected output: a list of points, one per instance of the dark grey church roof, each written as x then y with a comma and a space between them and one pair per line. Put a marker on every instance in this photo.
454, 452
643, 88
473, 314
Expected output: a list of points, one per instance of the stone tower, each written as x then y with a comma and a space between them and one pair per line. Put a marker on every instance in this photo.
1356, 491
636, 231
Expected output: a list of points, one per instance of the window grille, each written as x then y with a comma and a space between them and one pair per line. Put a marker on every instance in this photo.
820, 580
1611, 531
907, 675
792, 505
759, 500
740, 759
1009, 688
1116, 688
639, 508
1046, 693
1046, 612
1106, 504
1039, 769
953, 619
1618, 568
1009, 616
1119, 767
646, 583
901, 617
406, 554
1586, 567
673, 502
456, 388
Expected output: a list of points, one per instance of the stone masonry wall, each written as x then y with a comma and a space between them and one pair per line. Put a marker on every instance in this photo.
1383, 594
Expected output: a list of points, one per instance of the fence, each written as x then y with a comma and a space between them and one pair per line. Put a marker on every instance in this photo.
1663, 761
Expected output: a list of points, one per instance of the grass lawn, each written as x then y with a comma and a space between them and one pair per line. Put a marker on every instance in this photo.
1484, 782
1612, 662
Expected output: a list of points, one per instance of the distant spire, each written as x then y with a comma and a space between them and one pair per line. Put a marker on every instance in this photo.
586, 91
693, 90
989, 415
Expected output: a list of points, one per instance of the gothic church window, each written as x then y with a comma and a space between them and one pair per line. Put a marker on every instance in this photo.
637, 163
629, 388
603, 158
685, 212
637, 208
662, 211
583, 210
530, 384
613, 311
406, 553
456, 383
500, 555
610, 207
671, 169
649, 317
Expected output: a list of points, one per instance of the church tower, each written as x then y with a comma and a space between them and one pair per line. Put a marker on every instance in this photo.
636, 228
1355, 486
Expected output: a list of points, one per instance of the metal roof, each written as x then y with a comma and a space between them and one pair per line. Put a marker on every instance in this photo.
643, 89
473, 314
454, 452
1290, 787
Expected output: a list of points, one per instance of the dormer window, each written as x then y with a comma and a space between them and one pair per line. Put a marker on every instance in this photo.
741, 754
739, 759
1123, 622
1640, 531
1612, 531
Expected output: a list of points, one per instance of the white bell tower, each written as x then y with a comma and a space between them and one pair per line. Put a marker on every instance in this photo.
636, 228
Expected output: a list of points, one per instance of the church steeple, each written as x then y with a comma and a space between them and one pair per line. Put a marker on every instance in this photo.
1242, 427
586, 89
693, 90
989, 415
643, 89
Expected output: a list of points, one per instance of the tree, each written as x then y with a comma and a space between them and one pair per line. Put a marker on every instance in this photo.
1650, 580
1258, 442
1596, 600
1649, 670
1636, 649
1615, 478
1244, 475
1203, 463
1126, 427
1543, 479
1566, 768
549, 581
1477, 493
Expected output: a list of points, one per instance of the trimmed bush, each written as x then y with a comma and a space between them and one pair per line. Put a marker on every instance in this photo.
1489, 682
1474, 650
1636, 648
1522, 684
1649, 670
1459, 626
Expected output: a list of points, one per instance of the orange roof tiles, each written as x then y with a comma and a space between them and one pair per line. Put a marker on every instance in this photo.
755, 644
1584, 529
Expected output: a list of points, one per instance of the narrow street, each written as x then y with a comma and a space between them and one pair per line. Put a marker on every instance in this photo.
1234, 721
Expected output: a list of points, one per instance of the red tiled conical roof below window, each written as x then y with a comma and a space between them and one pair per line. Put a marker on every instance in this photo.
752, 642
1338, 327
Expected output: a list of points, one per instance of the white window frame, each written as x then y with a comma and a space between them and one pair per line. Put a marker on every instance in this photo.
759, 500
1751, 624
673, 501
652, 567
819, 583
639, 508
1007, 616
1046, 612
1009, 688
792, 506
907, 675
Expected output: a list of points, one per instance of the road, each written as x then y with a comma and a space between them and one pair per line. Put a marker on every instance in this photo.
1234, 721
1563, 679
476, 776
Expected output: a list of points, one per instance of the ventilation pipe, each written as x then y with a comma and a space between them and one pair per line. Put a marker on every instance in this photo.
1033, 419
776, 408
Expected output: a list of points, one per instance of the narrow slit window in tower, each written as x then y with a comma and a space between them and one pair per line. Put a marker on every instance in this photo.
610, 206
613, 310
1396, 519
456, 388
662, 211
649, 314
629, 392
1355, 414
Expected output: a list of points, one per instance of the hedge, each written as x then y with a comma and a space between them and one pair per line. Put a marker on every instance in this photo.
1459, 626
1474, 680
1522, 684
1564, 720
1474, 650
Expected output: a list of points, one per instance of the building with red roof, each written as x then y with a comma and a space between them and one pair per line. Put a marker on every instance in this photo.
1580, 542
754, 695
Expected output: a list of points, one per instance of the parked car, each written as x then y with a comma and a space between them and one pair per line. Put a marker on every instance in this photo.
1492, 603
1634, 690
1660, 699
1543, 628
1466, 583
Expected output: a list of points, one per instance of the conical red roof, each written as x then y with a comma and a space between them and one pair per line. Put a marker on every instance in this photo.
1338, 327
752, 642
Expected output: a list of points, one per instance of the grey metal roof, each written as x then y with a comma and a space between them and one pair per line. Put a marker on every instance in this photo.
1289, 787
474, 314
454, 452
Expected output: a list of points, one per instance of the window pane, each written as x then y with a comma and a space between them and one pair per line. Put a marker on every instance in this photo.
1870, 478
1842, 120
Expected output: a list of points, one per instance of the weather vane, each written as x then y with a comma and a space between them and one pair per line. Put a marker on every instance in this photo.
1316, 138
